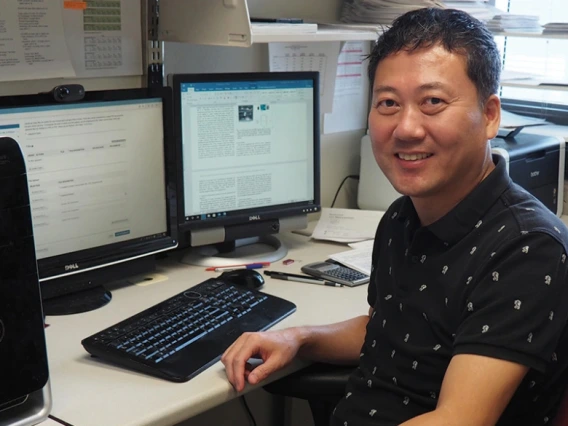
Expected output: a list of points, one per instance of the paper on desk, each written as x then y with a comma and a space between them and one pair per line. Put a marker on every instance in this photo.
367, 244
350, 97
33, 41
313, 56
359, 259
347, 225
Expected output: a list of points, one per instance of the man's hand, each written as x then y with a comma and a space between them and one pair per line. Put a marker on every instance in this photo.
338, 343
275, 348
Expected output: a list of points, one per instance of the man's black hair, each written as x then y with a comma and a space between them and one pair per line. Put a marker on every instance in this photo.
456, 31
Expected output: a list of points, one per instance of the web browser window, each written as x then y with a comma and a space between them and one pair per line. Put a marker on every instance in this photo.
246, 145
95, 172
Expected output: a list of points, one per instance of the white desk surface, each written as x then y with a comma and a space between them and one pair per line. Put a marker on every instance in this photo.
87, 391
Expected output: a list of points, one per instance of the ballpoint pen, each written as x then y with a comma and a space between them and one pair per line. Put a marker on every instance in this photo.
300, 278
256, 265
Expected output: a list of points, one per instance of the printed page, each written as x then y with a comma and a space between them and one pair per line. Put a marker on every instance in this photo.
350, 99
32, 41
347, 225
358, 259
104, 37
314, 56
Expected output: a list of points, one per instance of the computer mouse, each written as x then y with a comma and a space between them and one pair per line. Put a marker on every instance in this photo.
248, 278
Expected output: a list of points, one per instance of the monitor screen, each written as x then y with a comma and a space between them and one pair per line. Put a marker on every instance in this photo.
97, 178
248, 152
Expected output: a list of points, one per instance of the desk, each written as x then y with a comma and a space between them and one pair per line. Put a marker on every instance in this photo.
87, 391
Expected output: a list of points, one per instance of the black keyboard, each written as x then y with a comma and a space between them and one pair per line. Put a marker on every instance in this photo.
183, 335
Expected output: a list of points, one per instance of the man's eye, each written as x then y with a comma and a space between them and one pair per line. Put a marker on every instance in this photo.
388, 103
434, 101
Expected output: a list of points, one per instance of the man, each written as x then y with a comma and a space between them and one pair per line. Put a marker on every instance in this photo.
468, 294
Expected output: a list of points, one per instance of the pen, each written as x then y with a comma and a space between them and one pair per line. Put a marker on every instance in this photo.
300, 278
232, 267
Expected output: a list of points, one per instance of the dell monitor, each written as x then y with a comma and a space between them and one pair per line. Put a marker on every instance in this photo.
248, 162
101, 185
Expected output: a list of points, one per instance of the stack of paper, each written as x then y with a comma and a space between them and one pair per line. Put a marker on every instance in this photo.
478, 9
555, 28
385, 11
381, 11
509, 22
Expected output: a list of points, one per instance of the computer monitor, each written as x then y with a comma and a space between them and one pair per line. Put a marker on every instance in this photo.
102, 194
248, 151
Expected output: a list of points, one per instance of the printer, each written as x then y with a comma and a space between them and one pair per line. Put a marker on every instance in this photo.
535, 162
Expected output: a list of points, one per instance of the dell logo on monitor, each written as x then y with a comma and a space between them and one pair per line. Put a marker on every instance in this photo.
255, 217
71, 266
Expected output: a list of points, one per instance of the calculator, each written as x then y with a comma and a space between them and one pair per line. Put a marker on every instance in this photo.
336, 273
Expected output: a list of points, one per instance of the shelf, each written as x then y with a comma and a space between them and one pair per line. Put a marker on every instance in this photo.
227, 23
533, 85
323, 34
531, 35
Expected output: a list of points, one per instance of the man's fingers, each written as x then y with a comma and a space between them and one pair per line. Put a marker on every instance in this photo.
235, 359
263, 371
228, 359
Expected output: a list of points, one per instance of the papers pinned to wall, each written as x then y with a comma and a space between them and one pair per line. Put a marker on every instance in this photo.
315, 56
350, 105
53, 39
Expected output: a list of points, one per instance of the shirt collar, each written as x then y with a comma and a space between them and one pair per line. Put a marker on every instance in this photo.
462, 218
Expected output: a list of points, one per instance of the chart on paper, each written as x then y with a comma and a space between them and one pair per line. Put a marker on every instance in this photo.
320, 57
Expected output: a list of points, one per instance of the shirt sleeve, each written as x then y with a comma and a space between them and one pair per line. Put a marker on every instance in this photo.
516, 309
372, 287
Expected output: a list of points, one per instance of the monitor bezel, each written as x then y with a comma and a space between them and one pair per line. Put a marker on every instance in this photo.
99, 257
255, 213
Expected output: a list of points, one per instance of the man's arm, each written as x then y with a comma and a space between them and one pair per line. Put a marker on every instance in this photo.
475, 392
338, 343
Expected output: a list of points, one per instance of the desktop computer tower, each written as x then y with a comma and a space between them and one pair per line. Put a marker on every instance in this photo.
25, 397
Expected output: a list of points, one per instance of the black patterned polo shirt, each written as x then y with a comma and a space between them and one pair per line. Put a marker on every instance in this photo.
489, 278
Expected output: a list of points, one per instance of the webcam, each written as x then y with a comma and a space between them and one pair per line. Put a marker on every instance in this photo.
68, 93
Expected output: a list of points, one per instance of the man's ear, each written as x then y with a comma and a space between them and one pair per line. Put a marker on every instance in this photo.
492, 113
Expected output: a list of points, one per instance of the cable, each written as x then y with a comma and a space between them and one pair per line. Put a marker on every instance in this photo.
341, 184
247, 409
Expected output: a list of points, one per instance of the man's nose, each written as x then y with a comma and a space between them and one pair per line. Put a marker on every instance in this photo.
410, 125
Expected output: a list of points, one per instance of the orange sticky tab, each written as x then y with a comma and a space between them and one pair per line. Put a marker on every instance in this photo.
77, 5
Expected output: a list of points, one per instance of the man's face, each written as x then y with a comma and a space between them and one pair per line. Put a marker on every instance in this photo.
429, 132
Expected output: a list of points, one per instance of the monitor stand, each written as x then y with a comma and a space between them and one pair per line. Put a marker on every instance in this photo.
75, 303
247, 250
73, 294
